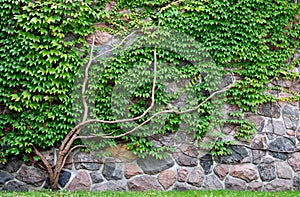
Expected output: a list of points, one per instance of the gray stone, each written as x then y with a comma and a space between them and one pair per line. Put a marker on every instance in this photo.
212, 183
266, 170
257, 155
182, 137
221, 171
96, 177
15, 186
247, 172
206, 163
162, 140
85, 161
283, 170
13, 165
294, 161
47, 183
271, 110
296, 181
259, 141
110, 186
4, 176
32, 176
235, 184
290, 117
186, 155
196, 177
113, 169
144, 182
255, 186
279, 146
167, 178
182, 174
276, 126
151, 165
278, 185
64, 178
184, 187
80, 182
238, 154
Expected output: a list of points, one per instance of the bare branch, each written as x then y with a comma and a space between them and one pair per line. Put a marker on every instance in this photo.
44, 160
85, 80
153, 116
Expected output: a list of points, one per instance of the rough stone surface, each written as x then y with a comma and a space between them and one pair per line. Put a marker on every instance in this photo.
221, 171
196, 177
182, 137
238, 154
13, 165
267, 170
144, 182
15, 186
64, 177
113, 169
212, 182
182, 174
131, 170
276, 126
4, 176
86, 157
269, 109
235, 184
257, 155
294, 161
32, 176
100, 37
260, 141
255, 186
278, 185
80, 182
258, 121
186, 155
163, 140
122, 153
281, 144
110, 186
96, 177
167, 178
184, 187
247, 172
151, 165
296, 181
283, 170
206, 163
290, 117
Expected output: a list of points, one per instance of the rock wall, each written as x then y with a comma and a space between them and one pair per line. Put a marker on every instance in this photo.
270, 162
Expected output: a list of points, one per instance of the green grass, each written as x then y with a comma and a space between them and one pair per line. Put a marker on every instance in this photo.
201, 193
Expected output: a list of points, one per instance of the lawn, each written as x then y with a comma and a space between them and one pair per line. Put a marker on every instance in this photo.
220, 193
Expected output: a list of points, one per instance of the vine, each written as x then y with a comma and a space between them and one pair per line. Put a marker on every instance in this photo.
42, 45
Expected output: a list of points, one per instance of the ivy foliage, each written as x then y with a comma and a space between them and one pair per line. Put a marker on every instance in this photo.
42, 45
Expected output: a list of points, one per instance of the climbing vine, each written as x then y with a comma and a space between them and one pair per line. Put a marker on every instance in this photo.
43, 45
